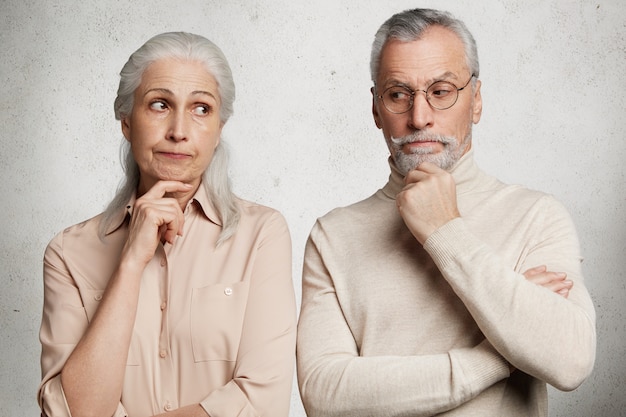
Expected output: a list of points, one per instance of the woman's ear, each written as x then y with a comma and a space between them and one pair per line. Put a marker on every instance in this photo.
125, 122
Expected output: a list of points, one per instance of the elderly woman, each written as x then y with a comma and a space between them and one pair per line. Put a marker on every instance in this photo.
178, 298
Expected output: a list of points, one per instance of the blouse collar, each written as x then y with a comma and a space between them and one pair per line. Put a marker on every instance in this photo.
200, 201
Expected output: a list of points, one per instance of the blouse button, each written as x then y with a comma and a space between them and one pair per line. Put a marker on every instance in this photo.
163, 353
167, 406
228, 291
163, 305
98, 297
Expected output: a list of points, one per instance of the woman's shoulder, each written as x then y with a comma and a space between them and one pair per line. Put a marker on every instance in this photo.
83, 235
251, 208
259, 214
81, 230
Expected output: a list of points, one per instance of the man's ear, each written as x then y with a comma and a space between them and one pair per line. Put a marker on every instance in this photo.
477, 109
375, 109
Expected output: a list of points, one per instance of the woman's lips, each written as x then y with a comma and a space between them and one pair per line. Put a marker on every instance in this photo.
174, 155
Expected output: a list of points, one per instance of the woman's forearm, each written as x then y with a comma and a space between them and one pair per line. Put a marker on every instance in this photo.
93, 375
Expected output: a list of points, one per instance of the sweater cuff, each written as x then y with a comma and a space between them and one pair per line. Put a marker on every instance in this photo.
482, 366
448, 241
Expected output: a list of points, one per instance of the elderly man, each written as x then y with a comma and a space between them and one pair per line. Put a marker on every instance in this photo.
446, 292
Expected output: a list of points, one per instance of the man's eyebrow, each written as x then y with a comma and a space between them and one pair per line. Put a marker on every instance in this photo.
393, 82
442, 77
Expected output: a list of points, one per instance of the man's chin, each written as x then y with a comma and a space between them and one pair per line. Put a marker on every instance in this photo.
406, 163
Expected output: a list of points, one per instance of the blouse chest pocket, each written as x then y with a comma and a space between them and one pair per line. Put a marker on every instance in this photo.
217, 313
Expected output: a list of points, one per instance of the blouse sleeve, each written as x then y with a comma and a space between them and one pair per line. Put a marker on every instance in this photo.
263, 375
63, 323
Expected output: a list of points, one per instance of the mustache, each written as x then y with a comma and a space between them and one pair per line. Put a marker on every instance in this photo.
422, 137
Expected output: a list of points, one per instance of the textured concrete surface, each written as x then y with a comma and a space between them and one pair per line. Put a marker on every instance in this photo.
302, 137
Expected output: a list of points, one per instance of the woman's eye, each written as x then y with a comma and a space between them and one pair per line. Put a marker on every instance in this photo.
202, 110
158, 105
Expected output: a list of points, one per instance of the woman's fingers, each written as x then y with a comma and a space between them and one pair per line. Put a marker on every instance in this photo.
156, 217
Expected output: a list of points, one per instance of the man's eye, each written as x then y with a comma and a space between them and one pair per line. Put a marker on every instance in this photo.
441, 90
399, 94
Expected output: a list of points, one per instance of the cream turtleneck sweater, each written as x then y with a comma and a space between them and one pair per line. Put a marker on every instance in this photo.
391, 328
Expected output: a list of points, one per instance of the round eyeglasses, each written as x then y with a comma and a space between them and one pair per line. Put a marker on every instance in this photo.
441, 95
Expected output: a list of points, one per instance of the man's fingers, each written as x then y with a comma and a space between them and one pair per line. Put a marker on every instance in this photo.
536, 270
561, 287
542, 277
429, 168
553, 281
423, 171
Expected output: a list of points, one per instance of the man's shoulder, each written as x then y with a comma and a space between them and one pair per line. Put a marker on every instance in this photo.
355, 211
357, 220
514, 201
523, 195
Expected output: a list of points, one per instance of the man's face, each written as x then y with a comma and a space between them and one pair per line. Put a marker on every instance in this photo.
423, 133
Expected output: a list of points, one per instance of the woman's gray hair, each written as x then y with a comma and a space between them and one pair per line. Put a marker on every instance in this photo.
186, 47
409, 25
183, 46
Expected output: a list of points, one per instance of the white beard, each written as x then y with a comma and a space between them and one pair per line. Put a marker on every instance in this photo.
452, 152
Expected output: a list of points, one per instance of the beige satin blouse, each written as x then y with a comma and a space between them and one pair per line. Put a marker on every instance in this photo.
214, 326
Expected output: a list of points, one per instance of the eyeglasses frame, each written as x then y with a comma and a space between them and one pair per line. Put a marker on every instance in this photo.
414, 93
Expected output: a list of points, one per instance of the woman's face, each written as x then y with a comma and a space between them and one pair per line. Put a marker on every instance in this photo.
174, 126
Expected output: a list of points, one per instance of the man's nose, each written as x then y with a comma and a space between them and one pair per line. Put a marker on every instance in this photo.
421, 114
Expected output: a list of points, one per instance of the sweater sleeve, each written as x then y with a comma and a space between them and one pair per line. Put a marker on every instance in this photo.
335, 380
539, 332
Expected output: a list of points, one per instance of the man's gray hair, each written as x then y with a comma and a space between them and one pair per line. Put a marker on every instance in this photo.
409, 25
186, 47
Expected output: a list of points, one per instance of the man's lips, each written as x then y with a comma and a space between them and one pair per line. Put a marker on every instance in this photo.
422, 143
427, 144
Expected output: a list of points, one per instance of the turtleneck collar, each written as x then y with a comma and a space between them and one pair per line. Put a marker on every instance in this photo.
463, 172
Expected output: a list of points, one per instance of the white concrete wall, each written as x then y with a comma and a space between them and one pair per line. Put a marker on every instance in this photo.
302, 136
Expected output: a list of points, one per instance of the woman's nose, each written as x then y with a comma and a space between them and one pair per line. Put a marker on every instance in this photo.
178, 127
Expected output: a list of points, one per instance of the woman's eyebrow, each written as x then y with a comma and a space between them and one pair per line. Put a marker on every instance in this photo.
169, 92
202, 92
